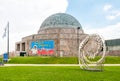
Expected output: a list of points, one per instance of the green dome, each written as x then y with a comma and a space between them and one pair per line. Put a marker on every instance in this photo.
60, 20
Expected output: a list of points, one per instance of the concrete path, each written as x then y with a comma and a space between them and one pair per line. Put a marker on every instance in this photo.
55, 65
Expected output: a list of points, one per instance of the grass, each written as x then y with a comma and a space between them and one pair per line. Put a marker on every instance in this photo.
44, 60
0, 59
33, 73
112, 60
57, 60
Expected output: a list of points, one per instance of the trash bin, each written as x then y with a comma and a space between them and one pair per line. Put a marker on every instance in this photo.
5, 57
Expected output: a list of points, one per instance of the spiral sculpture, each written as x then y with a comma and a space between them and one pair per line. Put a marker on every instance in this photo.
92, 53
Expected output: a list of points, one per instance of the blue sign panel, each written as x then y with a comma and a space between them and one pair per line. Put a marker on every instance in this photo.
5, 56
46, 44
42, 47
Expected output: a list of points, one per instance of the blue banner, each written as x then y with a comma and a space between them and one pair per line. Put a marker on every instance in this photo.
46, 44
42, 47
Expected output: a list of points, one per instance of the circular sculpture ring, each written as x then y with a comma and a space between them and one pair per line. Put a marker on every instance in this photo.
92, 52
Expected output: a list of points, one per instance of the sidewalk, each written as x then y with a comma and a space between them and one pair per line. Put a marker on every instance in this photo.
55, 65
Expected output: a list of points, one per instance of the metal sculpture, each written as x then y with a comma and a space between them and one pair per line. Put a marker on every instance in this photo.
92, 53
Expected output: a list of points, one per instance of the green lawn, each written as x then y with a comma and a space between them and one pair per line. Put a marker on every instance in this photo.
57, 60
112, 60
0, 58
33, 73
44, 60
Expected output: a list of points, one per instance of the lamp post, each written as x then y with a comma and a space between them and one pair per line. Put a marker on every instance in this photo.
78, 37
78, 43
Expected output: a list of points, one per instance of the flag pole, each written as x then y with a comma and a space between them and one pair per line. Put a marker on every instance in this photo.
8, 41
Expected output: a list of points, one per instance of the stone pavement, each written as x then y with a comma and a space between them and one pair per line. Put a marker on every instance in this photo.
55, 65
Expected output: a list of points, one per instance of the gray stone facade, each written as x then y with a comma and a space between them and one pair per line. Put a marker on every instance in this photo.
63, 30
66, 40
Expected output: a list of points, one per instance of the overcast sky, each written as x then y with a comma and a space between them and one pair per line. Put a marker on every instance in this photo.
26, 16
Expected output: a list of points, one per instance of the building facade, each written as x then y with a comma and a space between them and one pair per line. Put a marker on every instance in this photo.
59, 35
113, 47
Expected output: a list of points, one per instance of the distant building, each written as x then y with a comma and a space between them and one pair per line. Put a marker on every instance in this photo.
58, 35
113, 47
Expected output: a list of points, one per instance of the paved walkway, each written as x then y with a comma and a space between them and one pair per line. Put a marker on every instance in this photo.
55, 64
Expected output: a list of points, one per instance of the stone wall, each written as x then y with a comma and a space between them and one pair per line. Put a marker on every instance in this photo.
65, 39
113, 53
59, 30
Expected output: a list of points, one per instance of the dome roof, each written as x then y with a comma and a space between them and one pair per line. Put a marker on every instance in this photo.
60, 20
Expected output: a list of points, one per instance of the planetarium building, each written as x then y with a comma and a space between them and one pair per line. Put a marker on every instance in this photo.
58, 35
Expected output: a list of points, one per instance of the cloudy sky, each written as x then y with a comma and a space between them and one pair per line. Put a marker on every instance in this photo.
26, 16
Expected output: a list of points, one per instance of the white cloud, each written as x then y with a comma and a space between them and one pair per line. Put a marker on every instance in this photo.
25, 17
107, 7
111, 14
112, 17
108, 32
